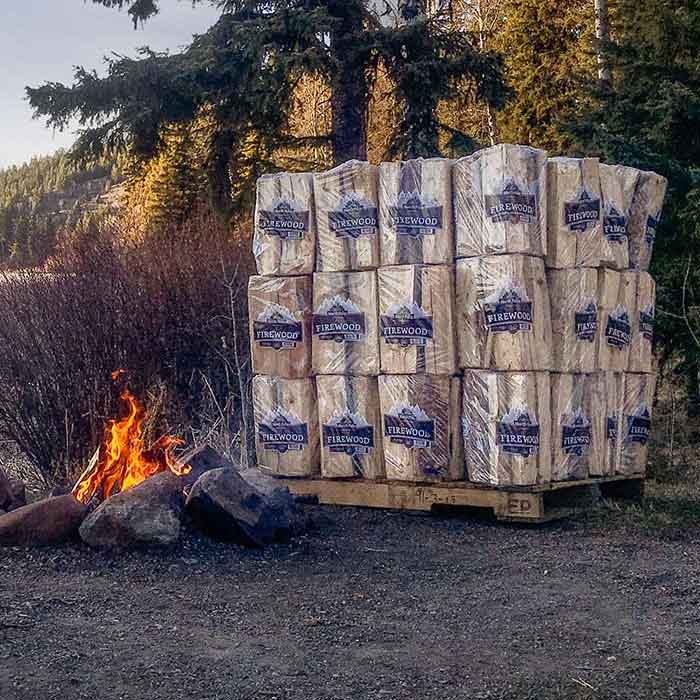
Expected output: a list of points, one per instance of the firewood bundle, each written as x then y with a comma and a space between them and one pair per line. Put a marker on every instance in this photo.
617, 186
645, 215
606, 428
635, 423
617, 304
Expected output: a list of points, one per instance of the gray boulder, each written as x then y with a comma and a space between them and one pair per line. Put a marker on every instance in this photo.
245, 507
146, 515
50, 521
12, 492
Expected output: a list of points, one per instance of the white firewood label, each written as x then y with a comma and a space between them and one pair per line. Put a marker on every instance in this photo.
339, 320
277, 328
615, 225
282, 431
354, 217
513, 204
508, 309
348, 433
650, 229
415, 215
646, 322
582, 212
286, 219
586, 322
518, 432
406, 324
575, 433
410, 426
618, 330
639, 425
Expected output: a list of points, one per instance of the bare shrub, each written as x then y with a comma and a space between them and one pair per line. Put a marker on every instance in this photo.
159, 306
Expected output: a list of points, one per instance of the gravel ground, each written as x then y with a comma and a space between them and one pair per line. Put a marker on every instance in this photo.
371, 604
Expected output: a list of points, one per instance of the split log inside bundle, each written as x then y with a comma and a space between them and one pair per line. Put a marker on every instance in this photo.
635, 428
351, 430
279, 312
506, 427
415, 200
578, 414
285, 227
501, 201
416, 322
503, 314
344, 325
616, 308
645, 215
286, 426
421, 427
574, 308
617, 186
574, 221
641, 356
347, 217
606, 427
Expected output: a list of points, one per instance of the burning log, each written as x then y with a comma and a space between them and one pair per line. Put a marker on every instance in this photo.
616, 305
635, 425
641, 355
617, 186
415, 201
645, 215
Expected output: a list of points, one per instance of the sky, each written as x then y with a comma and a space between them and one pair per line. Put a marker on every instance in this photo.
43, 40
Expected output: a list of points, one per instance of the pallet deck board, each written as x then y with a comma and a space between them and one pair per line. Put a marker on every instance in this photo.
528, 504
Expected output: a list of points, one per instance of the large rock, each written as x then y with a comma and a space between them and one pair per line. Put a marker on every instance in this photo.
12, 492
50, 521
145, 515
244, 507
202, 460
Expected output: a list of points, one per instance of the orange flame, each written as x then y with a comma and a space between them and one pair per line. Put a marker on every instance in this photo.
126, 461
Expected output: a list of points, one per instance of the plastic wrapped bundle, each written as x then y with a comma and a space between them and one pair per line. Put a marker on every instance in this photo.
577, 408
506, 427
503, 315
344, 325
279, 312
574, 220
501, 201
416, 323
284, 240
350, 424
286, 426
574, 301
645, 214
606, 426
415, 202
347, 215
421, 427
617, 185
635, 428
616, 308
641, 356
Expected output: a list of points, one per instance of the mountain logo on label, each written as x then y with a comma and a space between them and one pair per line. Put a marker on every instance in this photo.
582, 212
348, 433
339, 320
518, 432
575, 433
646, 322
615, 225
354, 217
416, 215
586, 321
282, 431
408, 425
286, 219
508, 309
513, 204
639, 425
277, 328
611, 427
650, 229
406, 324
618, 330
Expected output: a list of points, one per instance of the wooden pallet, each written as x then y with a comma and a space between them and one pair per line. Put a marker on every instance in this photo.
523, 504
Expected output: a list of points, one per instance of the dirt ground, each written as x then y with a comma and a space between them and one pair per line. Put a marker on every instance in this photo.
369, 605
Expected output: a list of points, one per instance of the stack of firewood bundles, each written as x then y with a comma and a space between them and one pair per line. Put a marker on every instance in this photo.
487, 319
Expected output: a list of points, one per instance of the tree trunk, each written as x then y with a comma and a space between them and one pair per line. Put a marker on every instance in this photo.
602, 33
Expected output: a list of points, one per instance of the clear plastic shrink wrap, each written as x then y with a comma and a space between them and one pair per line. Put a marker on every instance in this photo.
617, 185
415, 204
574, 300
345, 334
641, 356
279, 312
286, 426
347, 217
574, 216
351, 429
606, 427
616, 309
578, 413
506, 427
502, 313
645, 215
416, 322
284, 239
421, 427
635, 428
500, 198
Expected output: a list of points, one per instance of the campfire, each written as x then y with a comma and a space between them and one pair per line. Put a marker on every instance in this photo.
124, 460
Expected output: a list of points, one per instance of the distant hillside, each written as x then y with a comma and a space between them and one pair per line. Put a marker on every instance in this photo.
38, 198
